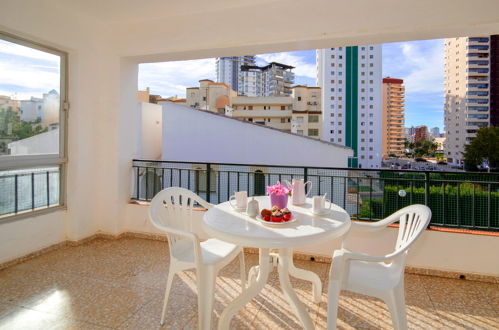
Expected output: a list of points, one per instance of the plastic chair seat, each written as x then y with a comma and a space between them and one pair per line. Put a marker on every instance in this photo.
213, 251
364, 275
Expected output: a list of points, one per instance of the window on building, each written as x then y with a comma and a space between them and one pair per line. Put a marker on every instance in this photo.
250, 107
32, 127
283, 120
204, 99
339, 139
283, 107
313, 119
313, 132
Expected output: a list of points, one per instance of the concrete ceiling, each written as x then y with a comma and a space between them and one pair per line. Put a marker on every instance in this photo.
158, 30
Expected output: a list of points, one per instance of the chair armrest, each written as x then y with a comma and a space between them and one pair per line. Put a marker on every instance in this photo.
376, 226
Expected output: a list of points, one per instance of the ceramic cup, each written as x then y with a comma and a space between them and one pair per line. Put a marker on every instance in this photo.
241, 198
319, 205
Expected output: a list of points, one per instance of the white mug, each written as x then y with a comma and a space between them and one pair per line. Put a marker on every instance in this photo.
319, 204
241, 198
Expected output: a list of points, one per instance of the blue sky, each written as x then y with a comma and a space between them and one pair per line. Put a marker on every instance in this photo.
26, 72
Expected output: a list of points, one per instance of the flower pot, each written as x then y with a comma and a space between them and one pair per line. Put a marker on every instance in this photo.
281, 201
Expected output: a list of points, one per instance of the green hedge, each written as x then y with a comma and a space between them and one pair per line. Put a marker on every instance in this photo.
469, 208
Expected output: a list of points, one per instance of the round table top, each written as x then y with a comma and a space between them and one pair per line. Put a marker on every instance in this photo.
225, 223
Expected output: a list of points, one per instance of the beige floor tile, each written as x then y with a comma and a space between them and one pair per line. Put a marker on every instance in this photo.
20, 318
120, 284
468, 318
181, 309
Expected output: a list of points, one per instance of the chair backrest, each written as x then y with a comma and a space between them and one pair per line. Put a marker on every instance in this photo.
413, 220
173, 208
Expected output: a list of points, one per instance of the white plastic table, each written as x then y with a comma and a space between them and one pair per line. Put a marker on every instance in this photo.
223, 222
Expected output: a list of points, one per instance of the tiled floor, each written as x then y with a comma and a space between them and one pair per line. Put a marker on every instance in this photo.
119, 284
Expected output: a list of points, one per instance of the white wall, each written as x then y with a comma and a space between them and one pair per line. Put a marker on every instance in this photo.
19, 238
150, 130
198, 136
44, 143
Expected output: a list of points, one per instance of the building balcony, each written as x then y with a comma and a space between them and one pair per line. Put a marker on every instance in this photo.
77, 249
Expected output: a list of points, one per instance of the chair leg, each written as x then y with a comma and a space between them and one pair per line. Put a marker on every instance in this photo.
333, 301
242, 269
169, 281
206, 296
252, 274
395, 300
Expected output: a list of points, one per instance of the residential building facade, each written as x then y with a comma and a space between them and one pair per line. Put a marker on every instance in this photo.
299, 113
434, 133
274, 79
409, 133
421, 133
45, 109
210, 96
229, 69
393, 96
350, 78
471, 90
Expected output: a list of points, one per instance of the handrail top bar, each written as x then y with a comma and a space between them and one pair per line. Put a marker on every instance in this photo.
314, 167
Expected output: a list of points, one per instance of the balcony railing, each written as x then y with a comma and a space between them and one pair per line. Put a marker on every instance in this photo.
457, 199
24, 190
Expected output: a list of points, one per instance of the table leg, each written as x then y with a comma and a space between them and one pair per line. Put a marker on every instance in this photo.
285, 259
252, 291
308, 276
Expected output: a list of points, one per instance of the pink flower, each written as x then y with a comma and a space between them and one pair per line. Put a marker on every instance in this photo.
278, 189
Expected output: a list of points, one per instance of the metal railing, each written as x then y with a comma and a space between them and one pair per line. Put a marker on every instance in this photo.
457, 199
29, 189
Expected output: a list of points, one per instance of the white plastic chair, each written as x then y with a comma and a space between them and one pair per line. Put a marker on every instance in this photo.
172, 211
377, 276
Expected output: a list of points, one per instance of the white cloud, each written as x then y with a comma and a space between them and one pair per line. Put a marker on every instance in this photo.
424, 67
172, 78
28, 77
15, 49
302, 68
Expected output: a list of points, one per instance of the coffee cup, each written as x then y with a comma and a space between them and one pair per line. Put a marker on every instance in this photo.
319, 204
241, 199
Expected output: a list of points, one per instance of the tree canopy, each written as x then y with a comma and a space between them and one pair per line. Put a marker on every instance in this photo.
483, 148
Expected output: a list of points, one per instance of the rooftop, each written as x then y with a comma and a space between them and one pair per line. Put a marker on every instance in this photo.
119, 284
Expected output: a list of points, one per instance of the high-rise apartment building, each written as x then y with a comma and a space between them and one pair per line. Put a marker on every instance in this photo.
434, 133
274, 79
471, 90
244, 77
229, 69
393, 95
421, 133
350, 78
409, 133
